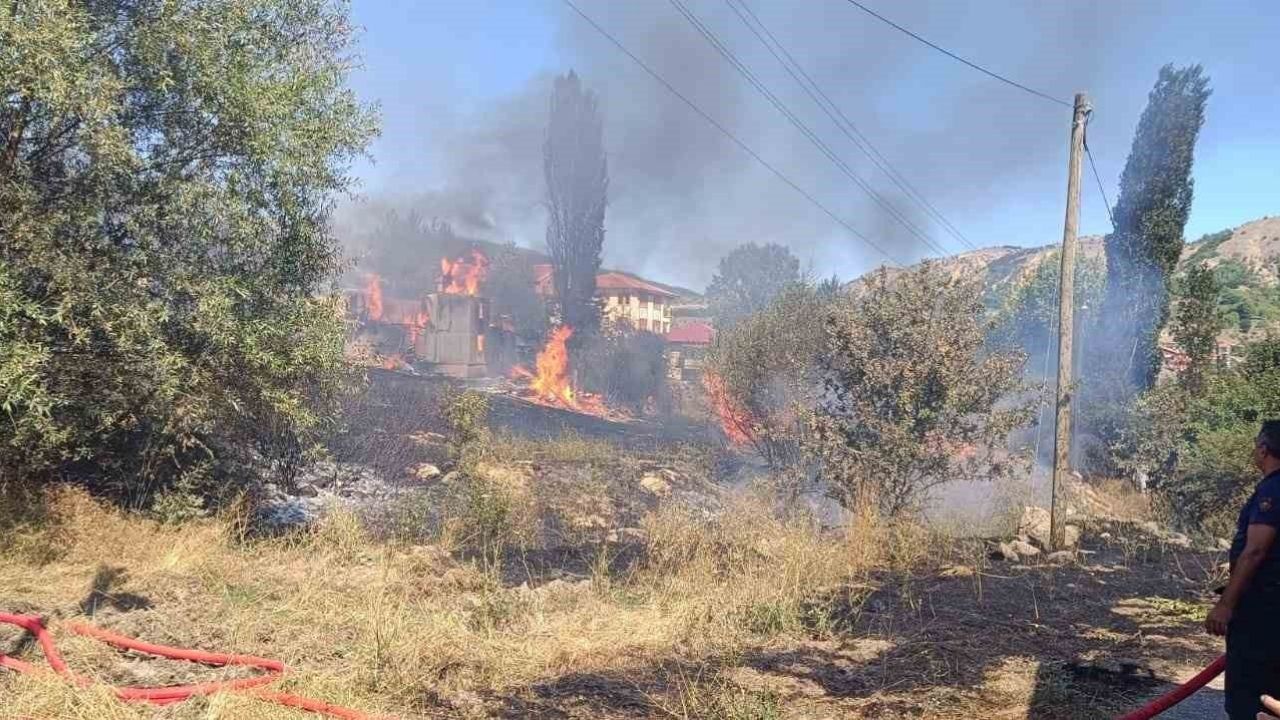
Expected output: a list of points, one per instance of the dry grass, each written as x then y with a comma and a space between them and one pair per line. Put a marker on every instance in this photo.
403, 629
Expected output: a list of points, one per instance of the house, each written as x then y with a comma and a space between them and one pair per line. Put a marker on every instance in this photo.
624, 298
687, 350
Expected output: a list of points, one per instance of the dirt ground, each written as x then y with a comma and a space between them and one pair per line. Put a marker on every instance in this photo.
608, 610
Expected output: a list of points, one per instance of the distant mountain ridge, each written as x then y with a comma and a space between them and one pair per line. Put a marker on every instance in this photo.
1246, 260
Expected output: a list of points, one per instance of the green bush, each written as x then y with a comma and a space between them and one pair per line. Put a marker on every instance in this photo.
467, 414
164, 246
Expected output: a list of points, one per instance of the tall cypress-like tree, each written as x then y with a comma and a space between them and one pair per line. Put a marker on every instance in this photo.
577, 179
1155, 199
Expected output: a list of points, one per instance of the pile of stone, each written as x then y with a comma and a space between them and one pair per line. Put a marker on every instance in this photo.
1033, 540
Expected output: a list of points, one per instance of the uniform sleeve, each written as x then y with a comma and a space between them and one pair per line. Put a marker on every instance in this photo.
1266, 510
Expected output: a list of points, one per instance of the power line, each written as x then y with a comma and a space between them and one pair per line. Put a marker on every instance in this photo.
799, 124
725, 131
1101, 190
956, 57
838, 117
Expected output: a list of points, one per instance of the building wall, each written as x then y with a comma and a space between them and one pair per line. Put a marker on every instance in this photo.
645, 311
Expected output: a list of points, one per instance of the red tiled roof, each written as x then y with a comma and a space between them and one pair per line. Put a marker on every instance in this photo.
622, 281
692, 334
609, 280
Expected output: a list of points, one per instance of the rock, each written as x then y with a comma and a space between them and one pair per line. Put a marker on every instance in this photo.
1004, 551
307, 490
628, 535
1150, 527
656, 485
1070, 536
1034, 523
451, 477
426, 471
1024, 549
1223, 544
1104, 536
1061, 557
1178, 540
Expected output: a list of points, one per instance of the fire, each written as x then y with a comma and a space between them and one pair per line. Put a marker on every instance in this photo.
415, 325
551, 381
464, 275
397, 362
735, 420
373, 296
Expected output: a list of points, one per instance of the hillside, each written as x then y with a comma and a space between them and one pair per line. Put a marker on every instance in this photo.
1246, 259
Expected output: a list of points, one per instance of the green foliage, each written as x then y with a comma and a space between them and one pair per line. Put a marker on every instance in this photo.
1208, 245
912, 396
1196, 324
1156, 189
1028, 317
766, 365
404, 249
166, 174
511, 290
467, 414
577, 177
748, 279
1197, 445
628, 368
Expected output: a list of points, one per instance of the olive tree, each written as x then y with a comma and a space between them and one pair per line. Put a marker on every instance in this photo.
167, 170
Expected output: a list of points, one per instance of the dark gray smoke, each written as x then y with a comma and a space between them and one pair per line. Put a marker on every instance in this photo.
681, 195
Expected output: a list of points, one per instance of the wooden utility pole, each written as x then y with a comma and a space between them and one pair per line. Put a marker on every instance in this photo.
1066, 308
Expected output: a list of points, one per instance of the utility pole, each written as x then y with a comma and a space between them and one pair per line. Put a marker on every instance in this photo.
1066, 308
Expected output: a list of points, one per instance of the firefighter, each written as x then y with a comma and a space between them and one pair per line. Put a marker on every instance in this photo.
1248, 612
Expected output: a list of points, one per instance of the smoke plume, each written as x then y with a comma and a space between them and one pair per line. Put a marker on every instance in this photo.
682, 195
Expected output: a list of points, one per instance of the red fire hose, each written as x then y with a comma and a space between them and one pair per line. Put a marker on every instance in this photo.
1178, 694
175, 693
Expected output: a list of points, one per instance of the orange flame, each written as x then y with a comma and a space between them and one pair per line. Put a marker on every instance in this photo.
396, 362
373, 296
551, 384
551, 381
415, 325
464, 275
735, 420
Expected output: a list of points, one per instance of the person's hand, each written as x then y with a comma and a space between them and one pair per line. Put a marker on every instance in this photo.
1272, 707
1219, 617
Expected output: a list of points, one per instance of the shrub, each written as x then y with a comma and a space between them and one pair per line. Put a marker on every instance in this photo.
912, 397
628, 368
164, 246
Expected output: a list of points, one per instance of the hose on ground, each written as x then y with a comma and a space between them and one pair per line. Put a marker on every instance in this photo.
1178, 694
273, 670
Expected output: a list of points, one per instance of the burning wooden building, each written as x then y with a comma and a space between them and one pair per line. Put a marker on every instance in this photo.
450, 330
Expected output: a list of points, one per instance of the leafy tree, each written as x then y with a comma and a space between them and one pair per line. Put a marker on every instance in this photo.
1028, 318
510, 287
166, 175
577, 179
1196, 446
1156, 189
1196, 324
912, 396
404, 248
762, 373
629, 368
748, 279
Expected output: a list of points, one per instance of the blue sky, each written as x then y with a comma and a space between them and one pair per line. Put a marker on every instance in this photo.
461, 87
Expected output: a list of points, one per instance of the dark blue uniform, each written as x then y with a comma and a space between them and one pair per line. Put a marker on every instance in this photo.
1253, 636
